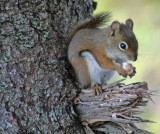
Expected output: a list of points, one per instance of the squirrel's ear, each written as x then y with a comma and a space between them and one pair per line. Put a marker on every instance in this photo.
115, 26
129, 23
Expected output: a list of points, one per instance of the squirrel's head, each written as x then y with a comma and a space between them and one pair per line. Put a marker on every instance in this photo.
123, 41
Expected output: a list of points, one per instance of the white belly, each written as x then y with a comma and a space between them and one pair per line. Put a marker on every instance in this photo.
98, 75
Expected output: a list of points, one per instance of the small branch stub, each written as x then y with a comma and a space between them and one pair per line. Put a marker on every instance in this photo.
118, 104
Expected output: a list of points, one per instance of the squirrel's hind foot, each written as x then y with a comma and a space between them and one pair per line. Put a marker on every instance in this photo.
97, 89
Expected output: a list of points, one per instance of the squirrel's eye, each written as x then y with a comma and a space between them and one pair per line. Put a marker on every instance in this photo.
123, 46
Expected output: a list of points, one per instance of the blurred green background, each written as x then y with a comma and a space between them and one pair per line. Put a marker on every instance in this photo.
146, 17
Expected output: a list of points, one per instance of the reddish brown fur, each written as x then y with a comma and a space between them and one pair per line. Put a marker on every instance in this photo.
82, 71
87, 37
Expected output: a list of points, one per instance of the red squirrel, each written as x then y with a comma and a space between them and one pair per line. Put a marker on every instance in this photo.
96, 53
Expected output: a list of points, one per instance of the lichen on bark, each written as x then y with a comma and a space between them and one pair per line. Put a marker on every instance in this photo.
35, 88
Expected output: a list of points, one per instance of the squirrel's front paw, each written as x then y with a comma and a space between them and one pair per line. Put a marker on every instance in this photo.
123, 72
131, 71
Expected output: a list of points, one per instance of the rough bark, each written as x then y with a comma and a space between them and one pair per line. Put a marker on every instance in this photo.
35, 87
115, 110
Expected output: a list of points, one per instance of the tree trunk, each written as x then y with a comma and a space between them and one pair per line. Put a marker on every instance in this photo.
35, 85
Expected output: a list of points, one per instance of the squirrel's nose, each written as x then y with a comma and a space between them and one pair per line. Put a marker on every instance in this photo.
135, 58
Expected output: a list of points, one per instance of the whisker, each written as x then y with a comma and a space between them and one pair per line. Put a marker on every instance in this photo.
143, 55
148, 54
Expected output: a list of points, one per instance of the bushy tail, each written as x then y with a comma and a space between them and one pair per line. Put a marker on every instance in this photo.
92, 22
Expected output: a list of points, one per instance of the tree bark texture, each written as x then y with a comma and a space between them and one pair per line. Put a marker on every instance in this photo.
35, 84
115, 110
